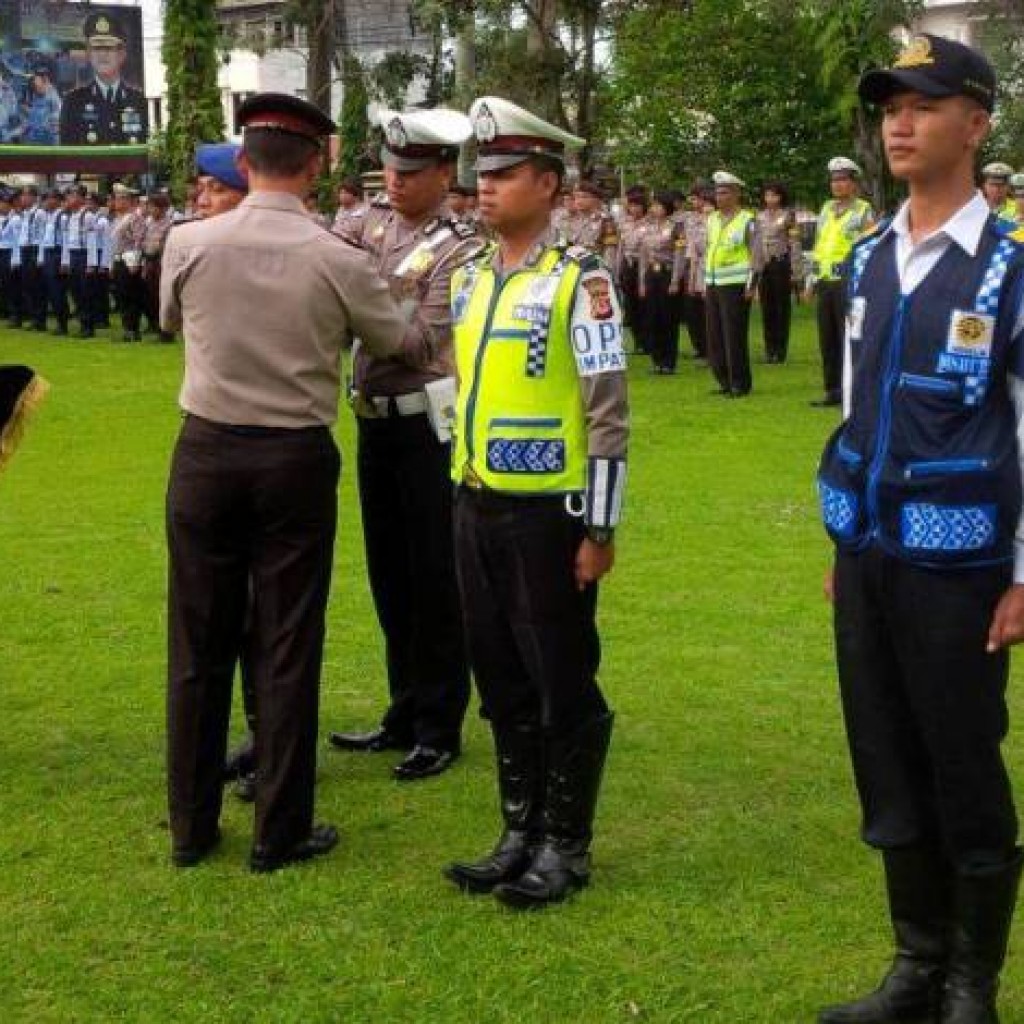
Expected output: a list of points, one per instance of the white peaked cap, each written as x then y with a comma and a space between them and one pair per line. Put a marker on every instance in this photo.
507, 135
414, 139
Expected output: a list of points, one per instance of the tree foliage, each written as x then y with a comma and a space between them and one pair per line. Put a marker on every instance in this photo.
1002, 38
190, 54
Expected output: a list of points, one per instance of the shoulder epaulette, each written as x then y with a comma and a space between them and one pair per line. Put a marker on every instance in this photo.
586, 259
381, 201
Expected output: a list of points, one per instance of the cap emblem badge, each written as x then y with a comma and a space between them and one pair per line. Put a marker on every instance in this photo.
485, 126
916, 54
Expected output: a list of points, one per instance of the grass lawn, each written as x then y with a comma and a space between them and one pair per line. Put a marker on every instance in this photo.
729, 886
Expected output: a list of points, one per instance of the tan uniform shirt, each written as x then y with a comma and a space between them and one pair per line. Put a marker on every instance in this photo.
127, 233
594, 231
631, 234
417, 261
776, 236
662, 247
155, 235
347, 223
266, 299
695, 226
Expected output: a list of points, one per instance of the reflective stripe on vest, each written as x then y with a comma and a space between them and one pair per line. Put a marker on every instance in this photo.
836, 237
520, 425
728, 253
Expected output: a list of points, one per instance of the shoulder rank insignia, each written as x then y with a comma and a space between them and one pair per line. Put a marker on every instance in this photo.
381, 201
584, 257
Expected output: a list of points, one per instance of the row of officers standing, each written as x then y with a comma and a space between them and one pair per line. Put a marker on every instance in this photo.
64, 255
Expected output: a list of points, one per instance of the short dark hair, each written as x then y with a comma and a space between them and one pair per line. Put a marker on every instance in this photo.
541, 163
779, 188
274, 152
353, 186
665, 199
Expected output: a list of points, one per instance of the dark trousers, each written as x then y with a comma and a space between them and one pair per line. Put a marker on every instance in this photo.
832, 333
775, 290
130, 291
405, 492
695, 315
56, 285
6, 306
15, 295
728, 337
661, 319
925, 705
78, 282
632, 307
533, 642
98, 289
33, 287
247, 504
151, 291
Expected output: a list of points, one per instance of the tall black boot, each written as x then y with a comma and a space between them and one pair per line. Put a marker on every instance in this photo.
919, 885
520, 751
560, 865
983, 910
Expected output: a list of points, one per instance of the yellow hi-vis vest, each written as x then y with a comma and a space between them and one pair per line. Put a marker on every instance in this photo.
728, 258
836, 235
519, 417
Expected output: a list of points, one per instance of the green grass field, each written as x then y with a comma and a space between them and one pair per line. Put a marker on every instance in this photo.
729, 885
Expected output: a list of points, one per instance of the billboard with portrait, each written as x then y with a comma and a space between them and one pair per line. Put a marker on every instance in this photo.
71, 74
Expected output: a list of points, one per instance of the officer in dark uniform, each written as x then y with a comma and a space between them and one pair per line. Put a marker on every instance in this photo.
921, 493
405, 449
107, 111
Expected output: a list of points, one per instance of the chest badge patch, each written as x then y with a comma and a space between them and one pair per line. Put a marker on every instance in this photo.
970, 334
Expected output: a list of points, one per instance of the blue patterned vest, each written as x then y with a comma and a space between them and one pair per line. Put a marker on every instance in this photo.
926, 465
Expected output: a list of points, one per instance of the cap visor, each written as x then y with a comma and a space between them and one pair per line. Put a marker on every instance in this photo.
879, 86
403, 163
500, 161
105, 41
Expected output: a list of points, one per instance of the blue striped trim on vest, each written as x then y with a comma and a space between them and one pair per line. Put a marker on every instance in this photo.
537, 347
926, 527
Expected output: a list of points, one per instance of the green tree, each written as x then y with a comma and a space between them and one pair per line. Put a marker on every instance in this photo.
354, 127
190, 54
1001, 36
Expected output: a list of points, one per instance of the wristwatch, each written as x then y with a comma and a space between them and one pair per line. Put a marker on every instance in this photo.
601, 535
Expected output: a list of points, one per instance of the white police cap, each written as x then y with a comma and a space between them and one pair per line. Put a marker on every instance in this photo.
1017, 182
507, 135
997, 171
844, 165
414, 139
727, 178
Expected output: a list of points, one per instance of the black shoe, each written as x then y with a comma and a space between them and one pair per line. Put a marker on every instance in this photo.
166, 337
190, 856
126, 336
60, 331
372, 742
242, 760
422, 762
86, 332
828, 402
721, 392
552, 875
245, 787
740, 392
15, 324
136, 336
322, 839
506, 863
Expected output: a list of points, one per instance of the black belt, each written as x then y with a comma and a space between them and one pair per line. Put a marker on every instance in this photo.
244, 430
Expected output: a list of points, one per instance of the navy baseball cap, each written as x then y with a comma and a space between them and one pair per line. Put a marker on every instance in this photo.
217, 159
933, 66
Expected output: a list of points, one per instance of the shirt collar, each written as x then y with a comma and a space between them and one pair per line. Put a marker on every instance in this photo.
284, 201
544, 241
964, 227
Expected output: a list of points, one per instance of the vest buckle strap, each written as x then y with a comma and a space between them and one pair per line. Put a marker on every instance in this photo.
838, 509
526, 455
926, 527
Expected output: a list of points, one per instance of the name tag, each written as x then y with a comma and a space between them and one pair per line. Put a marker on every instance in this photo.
855, 318
970, 334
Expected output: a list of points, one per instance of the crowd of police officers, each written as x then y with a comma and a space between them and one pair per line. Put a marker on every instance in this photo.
490, 356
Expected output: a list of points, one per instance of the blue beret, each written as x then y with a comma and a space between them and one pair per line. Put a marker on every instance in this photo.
218, 161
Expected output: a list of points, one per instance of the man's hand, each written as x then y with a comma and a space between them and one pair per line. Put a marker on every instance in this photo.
593, 561
828, 586
1008, 621
642, 292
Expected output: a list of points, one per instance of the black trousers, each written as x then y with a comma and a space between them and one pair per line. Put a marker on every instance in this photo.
661, 319
33, 287
729, 337
695, 315
405, 492
632, 307
832, 333
533, 642
130, 291
775, 290
56, 285
79, 285
98, 289
6, 305
247, 504
925, 706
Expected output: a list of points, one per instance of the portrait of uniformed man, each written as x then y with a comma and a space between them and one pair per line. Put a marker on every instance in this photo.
108, 111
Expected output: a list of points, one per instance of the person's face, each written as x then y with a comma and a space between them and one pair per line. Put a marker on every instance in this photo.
585, 202
843, 186
415, 193
772, 199
75, 202
657, 210
515, 196
727, 197
213, 197
28, 200
635, 210
50, 203
927, 138
107, 59
346, 200
39, 84
457, 202
996, 192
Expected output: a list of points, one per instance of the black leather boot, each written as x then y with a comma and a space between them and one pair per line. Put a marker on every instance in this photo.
242, 760
983, 910
519, 750
561, 863
919, 884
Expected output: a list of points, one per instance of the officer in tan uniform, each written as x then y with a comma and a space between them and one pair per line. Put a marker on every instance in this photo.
405, 452
540, 466
995, 183
265, 300
627, 263
591, 226
127, 233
